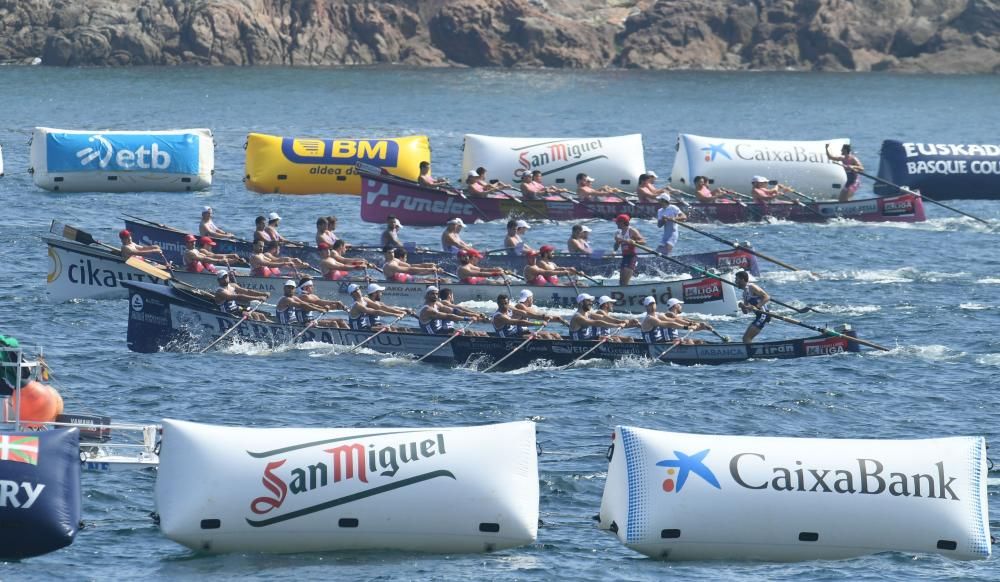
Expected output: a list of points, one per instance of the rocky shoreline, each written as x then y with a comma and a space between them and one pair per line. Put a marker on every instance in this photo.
943, 36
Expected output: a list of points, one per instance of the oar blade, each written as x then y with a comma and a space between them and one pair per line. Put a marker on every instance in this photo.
151, 270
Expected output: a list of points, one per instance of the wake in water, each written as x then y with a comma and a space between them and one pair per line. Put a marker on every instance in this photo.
930, 353
868, 276
944, 224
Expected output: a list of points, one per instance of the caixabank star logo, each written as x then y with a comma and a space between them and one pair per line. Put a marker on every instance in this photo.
679, 468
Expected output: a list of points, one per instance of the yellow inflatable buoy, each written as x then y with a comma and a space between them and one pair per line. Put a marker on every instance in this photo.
288, 165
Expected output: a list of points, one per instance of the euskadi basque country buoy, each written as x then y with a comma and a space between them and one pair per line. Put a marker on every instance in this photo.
613, 161
38, 403
178, 160
299, 165
941, 170
231, 489
39, 491
732, 163
683, 496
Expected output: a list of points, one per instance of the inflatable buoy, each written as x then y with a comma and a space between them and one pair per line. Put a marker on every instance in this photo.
945, 171
1, 161
683, 496
731, 163
40, 486
290, 165
615, 161
178, 160
38, 402
231, 489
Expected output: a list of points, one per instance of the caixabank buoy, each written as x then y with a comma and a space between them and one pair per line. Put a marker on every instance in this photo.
680, 496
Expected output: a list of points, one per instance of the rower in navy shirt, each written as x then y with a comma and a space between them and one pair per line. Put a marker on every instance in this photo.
754, 301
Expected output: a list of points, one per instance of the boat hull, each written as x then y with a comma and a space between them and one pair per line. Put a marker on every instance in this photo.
78, 271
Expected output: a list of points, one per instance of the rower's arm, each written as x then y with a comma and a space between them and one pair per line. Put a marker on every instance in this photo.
756, 290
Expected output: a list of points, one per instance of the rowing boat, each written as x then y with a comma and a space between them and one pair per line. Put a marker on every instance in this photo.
600, 263
172, 319
79, 271
416, 205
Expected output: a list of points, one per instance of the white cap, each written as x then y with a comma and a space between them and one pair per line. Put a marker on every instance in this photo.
673, 301
222, 274
651, 174
472, 173
584, 297
522, 224
397, 222
759, 179
352, 288
648, 300
457, 221
665, 197
431, 288
273, 216
605, 299
289, 283
206, 209
525, 295
585, 228
373, 287
588, 179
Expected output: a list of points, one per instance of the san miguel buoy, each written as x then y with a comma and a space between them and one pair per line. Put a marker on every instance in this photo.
38, 402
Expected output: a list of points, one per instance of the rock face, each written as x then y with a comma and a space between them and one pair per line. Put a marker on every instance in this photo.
840, 35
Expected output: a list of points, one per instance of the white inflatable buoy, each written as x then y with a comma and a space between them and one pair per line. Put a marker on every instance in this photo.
683, 496
178, 160
1, 161
230, 489
731, 163
616, 161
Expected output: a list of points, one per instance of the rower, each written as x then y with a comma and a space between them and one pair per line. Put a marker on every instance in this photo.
451, 239
131, 249
390, 236
400, 271
469, 272
514, 241
525, 308
447, 304
260, 232
646, 191
332, 264
323, 234
676, 307
331, 232
286, 312
426, 179
505, 322
272, 227
667, 218
476, 187
658, 328
603, 312
542, 270
433, 319
704, 194
306, 312
207, 226
852, 167
257, 295
754, 301
579, 240
532, 187
206, 243
762, 193
583, 326
626, 238
584, 190
367, 310
233, 300
194, 262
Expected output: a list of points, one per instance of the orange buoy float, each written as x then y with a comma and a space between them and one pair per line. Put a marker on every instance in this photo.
39, 403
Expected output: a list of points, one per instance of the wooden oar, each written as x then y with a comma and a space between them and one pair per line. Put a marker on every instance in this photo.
246, 316
737, 245
798, 202
521, 203
908, 191
679, 342
724, 338
376, 334
157, 224
454, 335
604, 340
715, 276
531, 336
311, 325
591, 279
75, 234
164, 275
822, 330
622, 195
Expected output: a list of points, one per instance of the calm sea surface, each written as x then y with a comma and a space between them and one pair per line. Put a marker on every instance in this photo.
930, 291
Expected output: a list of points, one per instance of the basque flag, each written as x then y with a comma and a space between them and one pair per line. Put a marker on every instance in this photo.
20, 449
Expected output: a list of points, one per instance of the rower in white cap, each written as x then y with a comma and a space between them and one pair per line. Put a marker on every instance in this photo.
584, 189
762, 193
584, 325
390, 236
234, 300
451, 240
307, 312
646, 189
367, 310
579, 240
207, 226
660, 328
605, 305
667, 218
525, 308
292, 308
272, 227
436, 318
477, 187
514, 241
676, 307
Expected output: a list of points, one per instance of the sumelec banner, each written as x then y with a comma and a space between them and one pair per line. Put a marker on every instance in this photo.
616, 161
731, 163
122, 161
680, 496
939, 170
